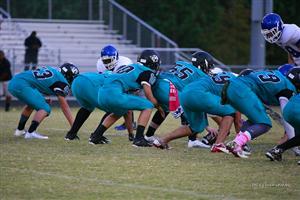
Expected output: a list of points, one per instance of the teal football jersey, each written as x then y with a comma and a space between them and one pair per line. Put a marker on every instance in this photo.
267, 85
182, 74
214, 84
131, 77
46, 79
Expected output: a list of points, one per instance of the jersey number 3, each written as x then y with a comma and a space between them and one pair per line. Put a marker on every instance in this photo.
42, 73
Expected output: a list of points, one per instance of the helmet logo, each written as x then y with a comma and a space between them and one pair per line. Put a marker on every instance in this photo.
154, 58
291, 76
75, 70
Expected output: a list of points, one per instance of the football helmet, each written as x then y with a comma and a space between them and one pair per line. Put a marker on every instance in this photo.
294, 76
245, 72
272, 27
109, 57
69, 71
150, 59
285, 68
204, 61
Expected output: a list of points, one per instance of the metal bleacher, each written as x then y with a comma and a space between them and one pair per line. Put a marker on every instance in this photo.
63, 40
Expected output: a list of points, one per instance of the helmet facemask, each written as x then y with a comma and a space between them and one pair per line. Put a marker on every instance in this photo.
109, 62
272, 35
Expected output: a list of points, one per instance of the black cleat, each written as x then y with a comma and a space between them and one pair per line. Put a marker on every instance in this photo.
71, 136
141, 142
130, 137
98, 140
274, 154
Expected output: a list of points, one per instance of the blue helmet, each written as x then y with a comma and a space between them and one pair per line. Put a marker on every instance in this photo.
109, 57
285, 68
272, 27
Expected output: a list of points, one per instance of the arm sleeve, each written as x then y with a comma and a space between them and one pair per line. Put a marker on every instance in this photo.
146, 77
60, 88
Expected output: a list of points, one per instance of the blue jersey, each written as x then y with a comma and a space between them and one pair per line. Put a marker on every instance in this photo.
182, 74
46, 80
268, 85
131, 77
214, 84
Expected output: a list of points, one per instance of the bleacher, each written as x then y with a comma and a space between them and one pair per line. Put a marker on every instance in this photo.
76, 41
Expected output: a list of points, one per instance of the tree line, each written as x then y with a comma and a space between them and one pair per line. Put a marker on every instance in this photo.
221, 27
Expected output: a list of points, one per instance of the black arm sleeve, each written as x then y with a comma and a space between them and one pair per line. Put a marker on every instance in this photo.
147, 77
285, 93
60, 88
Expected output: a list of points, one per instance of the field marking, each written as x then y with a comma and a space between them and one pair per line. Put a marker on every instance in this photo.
114, 184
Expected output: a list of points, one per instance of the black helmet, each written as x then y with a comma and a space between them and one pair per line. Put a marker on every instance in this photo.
245, 72
150, 58
69, 71
203, 60
294, 76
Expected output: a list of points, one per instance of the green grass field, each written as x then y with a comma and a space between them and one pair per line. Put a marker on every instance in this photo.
57, 169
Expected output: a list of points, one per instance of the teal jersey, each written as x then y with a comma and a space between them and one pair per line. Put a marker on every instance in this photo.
131, 77
182, 74
96, 79
268, 85
214, 84
47, 80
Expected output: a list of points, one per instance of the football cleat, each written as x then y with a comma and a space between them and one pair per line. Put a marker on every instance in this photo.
197, 144
299, 162
160, 145
149, 139
236, 149
274, 154
19, 133
141, 142
247, 149
98, 140
71, 136
130, 137
35, 135
217, 148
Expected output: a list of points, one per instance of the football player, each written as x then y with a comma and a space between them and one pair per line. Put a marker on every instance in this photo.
29, 88
174, 80
291, 113
248, 94
110, 62
200, 97
141, 75
287, 36
85, 89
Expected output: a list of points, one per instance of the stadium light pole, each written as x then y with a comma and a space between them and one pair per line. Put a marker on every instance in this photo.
258, 48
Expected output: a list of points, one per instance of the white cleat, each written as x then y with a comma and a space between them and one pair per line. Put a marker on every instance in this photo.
150, 139
19, 133
236, 150
35, 135
197, 144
